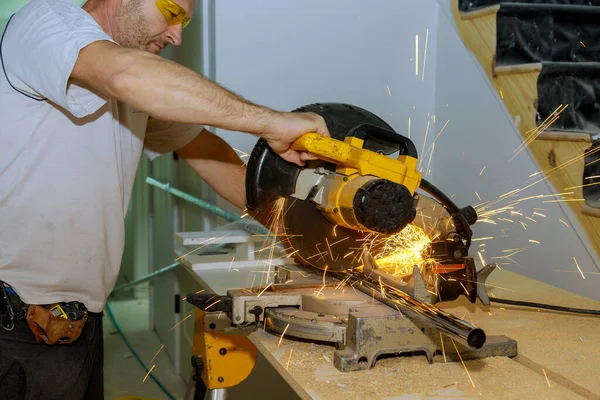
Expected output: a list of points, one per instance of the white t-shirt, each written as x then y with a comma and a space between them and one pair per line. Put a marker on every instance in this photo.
68, 159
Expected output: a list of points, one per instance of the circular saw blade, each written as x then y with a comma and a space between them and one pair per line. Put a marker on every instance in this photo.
318, 242
313, 239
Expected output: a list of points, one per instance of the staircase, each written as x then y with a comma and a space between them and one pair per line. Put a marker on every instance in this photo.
543, 59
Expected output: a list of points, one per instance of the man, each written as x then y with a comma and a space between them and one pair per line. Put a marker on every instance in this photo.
77, 87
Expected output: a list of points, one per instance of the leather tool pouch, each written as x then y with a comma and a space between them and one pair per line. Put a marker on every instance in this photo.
53, 329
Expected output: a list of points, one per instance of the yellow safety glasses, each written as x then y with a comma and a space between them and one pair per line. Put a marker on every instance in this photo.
173, 12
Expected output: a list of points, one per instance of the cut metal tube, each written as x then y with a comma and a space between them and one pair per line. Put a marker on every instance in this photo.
427, 314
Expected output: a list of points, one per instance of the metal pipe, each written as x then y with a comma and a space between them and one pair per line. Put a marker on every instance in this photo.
428, 314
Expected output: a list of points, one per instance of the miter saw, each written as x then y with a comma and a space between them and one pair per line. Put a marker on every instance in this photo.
338, 214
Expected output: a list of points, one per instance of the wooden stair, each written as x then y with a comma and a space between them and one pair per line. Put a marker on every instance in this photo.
522, 77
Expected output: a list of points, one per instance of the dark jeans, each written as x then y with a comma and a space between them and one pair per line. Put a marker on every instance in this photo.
30, 370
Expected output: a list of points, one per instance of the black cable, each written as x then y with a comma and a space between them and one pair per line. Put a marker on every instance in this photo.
546, 306
3, 69
450, 206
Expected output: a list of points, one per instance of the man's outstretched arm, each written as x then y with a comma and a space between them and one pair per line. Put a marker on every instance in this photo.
166, 90
219, 166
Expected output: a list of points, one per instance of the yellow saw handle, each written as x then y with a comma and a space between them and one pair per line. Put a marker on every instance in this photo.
350, 154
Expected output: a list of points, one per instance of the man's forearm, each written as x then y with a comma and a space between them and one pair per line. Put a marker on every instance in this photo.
218, 165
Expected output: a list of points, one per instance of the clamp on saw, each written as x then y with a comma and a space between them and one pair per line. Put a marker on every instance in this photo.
338, 214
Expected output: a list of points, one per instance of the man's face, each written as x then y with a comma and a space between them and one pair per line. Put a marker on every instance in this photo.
141, 25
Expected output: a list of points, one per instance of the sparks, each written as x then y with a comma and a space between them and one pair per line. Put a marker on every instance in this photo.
562, 201
478, 196
547, 380
483, 238
161, 347
281, 338
424, 142
482, 169
577, 265
180, 322
567, 225
146, 377
211, 304
403, 250
409, 127
481, 258
501, 95
430, 157
417, 55
388, 88
583, 44
266, 287
533, 241
463, 363
425, 54
289, 358
443, 350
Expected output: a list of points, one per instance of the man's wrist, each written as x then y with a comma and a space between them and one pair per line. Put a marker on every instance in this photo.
264, 120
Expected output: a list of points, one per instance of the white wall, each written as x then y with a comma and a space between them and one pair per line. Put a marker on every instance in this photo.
480, 133
292, 53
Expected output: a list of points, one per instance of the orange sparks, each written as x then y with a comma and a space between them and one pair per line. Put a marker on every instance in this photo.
483, 238
501, 95
562, 201
583, 44
212, 304
180, 322
567, 225
443, 350
547, 380
577, 265
281, 338
146, 377
289, 358
463, 363
533, 241
537, 131
161, 347
262, 291
329, 248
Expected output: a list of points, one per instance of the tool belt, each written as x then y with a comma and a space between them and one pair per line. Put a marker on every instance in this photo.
59, 323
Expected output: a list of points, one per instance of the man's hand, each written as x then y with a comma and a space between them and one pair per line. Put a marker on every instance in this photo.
284, 128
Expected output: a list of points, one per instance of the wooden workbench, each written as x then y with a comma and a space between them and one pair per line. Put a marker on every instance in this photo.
564, 346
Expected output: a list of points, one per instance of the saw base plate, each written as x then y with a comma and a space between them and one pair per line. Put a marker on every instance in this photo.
361, 328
